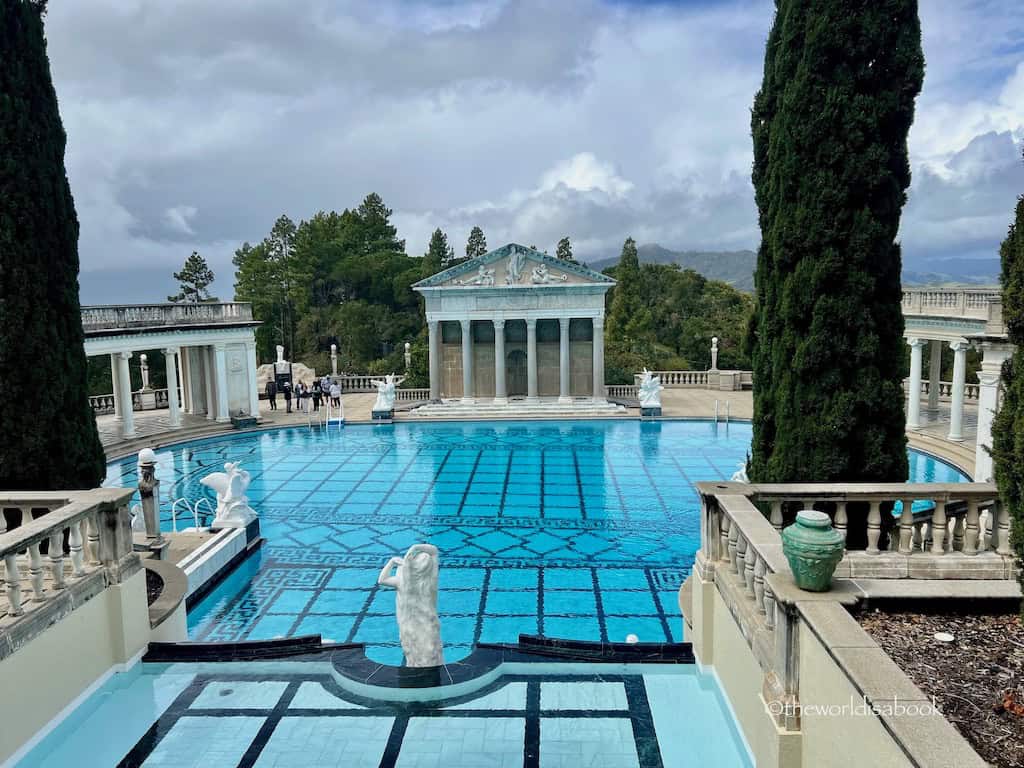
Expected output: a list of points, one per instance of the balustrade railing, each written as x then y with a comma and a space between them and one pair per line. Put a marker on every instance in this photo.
672, 379
80, 534
623, 391
894, 530
407, 395
97, 318
963, 302
153, 399
356, 382
945, 390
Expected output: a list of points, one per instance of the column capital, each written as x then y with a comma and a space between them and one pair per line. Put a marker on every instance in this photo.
960, 345
531, 323
171, 350
564, 322
915, 342
988, 378
598, 323
433, 324
466, 325
220, 346
124, 355
499, 324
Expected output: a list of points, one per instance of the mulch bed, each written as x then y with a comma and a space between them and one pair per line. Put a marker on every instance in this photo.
154, 586
977, 680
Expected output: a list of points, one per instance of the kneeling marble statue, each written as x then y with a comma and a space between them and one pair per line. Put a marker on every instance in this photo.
233, 510
414, 578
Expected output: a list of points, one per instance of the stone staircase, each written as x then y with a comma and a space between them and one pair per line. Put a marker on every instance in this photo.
516, 409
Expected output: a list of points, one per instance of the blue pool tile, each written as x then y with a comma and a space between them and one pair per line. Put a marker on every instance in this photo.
458, 601
197, 742
469, 578
377, 629
578, 628
383, 602
516, 603
506, 629
568, 578
457, 631
569, 603
329, 627
621, 578
291, 601
271, 626
628, 603
354, 578
299, 742
340, 601
514, 579
648, 629
240, 695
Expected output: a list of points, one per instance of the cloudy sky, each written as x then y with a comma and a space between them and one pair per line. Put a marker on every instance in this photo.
194, 124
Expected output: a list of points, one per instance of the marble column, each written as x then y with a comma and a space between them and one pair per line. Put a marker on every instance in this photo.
994, 354
956, 411
434, 354
186, 381
254, 392
124, 381
206, 353
598, 337
531, 360
563, 361
914, 395
467, 361
500, 395
115, 385
171, 366
934, 374
220, 368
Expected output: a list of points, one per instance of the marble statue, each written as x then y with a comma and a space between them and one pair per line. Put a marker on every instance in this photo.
740, 475
144, 366
514, 269
650, 390
414, 578
714, 353
385, 393
408, 356
281, 365
149, 493
334, 359
541, 276
484, 276
233, 510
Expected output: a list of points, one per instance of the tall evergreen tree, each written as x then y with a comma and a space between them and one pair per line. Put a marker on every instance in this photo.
477, 243
630, 324
55, 446
439, 254
380, 235
1008, 426
830, 174
194, 280
564, 250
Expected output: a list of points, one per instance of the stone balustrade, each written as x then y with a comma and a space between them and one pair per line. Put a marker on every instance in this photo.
971, 391
412, 395
356, 382
55, 561
959, 302
104, 404
622, 391
111, 317
893, 530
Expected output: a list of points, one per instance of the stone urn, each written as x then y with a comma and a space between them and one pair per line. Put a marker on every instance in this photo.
813, 548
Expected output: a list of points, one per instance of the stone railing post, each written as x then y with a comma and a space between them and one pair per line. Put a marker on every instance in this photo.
115, 538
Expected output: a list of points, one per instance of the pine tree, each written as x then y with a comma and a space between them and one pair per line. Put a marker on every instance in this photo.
830, 128
630, 325
194, 279
477, 243
380, 236
42, 353
439, 254
564, 250
1008, 425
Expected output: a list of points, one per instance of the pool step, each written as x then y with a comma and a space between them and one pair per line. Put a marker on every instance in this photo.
517, 409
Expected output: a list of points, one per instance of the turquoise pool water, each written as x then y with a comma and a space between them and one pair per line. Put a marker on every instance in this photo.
294, 715
581, 529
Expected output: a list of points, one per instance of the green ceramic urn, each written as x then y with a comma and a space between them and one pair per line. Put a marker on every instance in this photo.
813, 548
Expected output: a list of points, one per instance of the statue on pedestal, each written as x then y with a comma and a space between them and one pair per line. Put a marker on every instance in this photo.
649, 391
282, 365
233, 510
414, 577
714, 353
149, 492
334, 359
385, 394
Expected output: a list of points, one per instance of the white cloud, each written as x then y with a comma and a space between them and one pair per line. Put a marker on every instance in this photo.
178, 216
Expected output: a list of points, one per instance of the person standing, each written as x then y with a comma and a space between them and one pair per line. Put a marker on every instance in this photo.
272, 394
317, 393
335, 395
286, 389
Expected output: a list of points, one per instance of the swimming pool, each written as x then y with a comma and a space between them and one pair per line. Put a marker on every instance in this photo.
581, 529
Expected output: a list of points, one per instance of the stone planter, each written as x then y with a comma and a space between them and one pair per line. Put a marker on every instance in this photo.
813, 548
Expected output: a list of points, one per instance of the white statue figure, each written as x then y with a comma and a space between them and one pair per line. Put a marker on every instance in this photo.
540, 275
484, 276
144, 366
385, 393
714, 353
514, 270
281, 366
408, 356
414, 578
740, 475
650, 390
233, 510
334, 359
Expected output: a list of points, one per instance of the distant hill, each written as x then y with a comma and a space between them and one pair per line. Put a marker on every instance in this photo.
733, 267
737, 267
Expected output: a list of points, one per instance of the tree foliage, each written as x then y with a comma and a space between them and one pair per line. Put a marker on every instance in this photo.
564, 250
194, 280
476, 245
830, 174
50, 438
439, 254
1008, 425
664, 317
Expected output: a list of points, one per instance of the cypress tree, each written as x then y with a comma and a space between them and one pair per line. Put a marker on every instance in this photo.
1008, 426
49, 432
830, 174
630, 324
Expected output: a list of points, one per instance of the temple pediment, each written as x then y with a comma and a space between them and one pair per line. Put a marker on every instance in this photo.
514, 266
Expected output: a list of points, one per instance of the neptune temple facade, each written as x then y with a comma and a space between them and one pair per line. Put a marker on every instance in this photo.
516, 326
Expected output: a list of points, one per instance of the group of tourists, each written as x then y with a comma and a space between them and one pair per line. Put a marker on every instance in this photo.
306, 396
